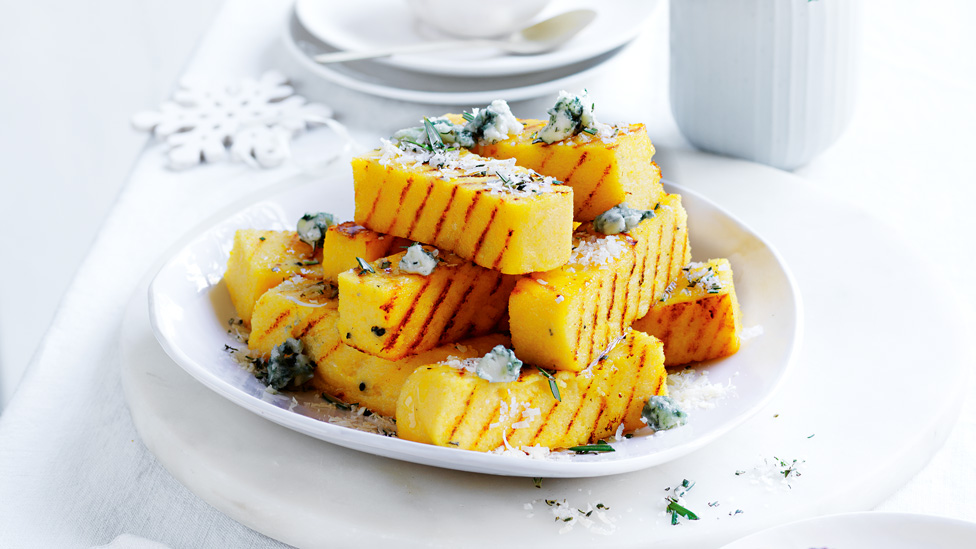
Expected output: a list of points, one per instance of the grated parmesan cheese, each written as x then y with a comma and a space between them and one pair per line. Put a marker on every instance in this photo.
596, 250
690, 389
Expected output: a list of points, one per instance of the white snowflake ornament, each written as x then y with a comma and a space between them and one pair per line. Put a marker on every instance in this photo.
252, 122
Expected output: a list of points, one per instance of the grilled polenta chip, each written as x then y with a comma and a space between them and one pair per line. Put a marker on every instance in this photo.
345, 242
448, 405
698, 316
372, 382
565, 318
288, 310
603, 171
391, 313
260, 260
496, 214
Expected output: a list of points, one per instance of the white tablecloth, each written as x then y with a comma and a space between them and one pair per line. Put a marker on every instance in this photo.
73, 472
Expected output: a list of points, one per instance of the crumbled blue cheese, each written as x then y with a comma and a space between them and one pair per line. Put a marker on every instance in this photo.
620, 219
417, 135
489, 125
312, 228
499, 365
417, 260
571, 115
662, 413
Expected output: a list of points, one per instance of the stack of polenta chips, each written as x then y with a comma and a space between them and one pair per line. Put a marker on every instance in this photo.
594, 317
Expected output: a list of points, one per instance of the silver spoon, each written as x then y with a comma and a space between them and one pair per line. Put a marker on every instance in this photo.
544, 36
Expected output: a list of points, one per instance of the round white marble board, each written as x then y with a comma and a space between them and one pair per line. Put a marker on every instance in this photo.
842, 411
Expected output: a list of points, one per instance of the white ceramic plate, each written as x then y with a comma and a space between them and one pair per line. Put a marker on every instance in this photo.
370, 24
867, 530
395, 83
190, 307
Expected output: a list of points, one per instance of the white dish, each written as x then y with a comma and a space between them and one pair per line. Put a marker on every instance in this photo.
190, 307
393, 83
887, 530
371, 24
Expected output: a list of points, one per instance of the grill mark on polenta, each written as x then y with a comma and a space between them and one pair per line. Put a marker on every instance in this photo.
413, 305
484, 233
310, 326
464, 413
277, 322
422, 331
550, 152
580, 162
372, 208
545, 421
504, 248
399, 205
443, 216
486, 426
613, 296
420, 211
657, 260
591, 354
599, 183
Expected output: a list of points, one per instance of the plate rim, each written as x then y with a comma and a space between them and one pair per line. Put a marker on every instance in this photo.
478, 462
389, 91
528, 64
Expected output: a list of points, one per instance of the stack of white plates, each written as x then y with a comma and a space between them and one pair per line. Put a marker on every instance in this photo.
466, 77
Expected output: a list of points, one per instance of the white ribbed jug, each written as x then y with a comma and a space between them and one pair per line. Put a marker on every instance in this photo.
767, 80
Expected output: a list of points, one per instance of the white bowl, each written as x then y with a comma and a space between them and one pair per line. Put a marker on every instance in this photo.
476, 18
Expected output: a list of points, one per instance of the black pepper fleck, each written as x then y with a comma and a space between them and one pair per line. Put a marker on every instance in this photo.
378, 331
362, 386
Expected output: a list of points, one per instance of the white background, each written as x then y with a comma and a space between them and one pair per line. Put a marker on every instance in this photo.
73, 75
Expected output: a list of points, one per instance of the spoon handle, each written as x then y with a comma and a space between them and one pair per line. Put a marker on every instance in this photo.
343, 56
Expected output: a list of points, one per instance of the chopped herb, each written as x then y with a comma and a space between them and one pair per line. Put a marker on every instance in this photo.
713, 504
336, 402
597, 448
676, 509
537, 481
602, 506
385, 264
467, 116
553, 387
737, 512
811, 436
551, 502
308, 263
739, 472
590, 131
364, 267
433, 136
261, 238
453, 443
229, 349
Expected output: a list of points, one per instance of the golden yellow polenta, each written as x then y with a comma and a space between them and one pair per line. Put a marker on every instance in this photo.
372, 382
514, 223
391, 313
287, 310
603, 172
698, 318
260, 260
565, 318
345, 242
448, 405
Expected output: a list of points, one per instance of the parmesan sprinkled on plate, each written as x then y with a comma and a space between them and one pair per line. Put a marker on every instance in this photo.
690, 389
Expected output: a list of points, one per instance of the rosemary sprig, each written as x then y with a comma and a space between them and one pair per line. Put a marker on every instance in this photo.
553, 387
433, 136
467, 116
364, 266
590, 131
599, 447
676, 509
537, 481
